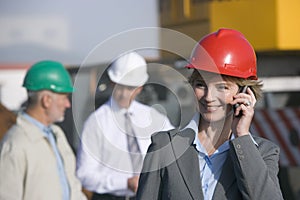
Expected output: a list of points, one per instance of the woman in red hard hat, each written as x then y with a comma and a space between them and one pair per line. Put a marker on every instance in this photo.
215, 156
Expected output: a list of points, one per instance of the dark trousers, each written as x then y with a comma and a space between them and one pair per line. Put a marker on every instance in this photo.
107, 196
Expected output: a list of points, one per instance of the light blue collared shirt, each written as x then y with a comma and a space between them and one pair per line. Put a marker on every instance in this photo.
210, 166
47, 132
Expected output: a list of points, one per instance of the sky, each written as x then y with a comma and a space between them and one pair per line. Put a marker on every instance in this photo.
67, 30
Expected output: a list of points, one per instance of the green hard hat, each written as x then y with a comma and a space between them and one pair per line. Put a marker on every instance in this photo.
48, 75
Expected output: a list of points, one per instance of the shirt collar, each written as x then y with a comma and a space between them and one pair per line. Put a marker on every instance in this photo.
193, 124
224, 147
45, 129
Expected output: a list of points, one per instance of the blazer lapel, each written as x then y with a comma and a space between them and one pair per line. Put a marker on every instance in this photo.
226, 180
187, 161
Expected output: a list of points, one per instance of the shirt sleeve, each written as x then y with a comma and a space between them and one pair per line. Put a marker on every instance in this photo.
93, 173
164, 121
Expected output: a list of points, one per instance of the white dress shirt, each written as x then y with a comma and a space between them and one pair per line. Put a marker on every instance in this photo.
103, 164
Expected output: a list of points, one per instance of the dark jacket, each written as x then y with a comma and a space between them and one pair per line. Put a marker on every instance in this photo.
171, 169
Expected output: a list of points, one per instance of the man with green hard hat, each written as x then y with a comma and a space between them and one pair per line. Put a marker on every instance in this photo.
36, 161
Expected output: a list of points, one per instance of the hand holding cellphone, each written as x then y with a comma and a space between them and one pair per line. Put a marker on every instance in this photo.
235, 106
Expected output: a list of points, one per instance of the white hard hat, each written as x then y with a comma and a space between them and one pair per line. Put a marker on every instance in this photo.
130, 69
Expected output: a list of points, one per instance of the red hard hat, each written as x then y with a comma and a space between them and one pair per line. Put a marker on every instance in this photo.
226, 52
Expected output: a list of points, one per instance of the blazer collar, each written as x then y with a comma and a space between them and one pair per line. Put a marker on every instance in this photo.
187, 160
30, 130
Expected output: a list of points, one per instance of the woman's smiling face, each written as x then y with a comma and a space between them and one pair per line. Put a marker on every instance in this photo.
214, 95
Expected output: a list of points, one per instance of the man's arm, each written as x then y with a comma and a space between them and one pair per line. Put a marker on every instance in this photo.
12, 171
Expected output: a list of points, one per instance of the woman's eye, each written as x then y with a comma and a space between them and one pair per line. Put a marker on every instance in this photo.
199, 84
221, 87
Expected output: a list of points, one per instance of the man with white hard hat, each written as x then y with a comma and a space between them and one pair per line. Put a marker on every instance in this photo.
116, 136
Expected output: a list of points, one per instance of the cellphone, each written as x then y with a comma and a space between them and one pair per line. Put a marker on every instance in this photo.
235, 106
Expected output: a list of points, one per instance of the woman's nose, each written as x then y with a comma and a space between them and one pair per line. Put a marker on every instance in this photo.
209, 94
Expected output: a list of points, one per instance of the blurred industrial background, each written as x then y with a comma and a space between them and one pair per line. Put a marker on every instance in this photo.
71, 31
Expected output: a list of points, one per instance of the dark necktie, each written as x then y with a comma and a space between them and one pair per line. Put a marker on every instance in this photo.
133, 146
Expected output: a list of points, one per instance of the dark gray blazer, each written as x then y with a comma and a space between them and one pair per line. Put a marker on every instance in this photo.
171, 169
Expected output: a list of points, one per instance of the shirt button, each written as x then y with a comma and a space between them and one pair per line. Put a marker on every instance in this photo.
238, 146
